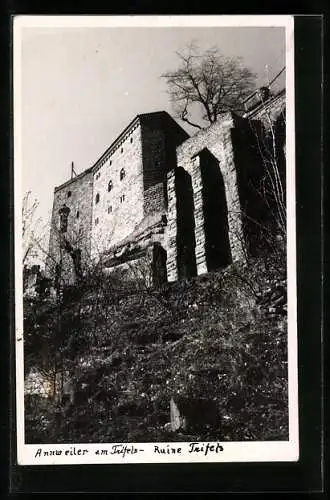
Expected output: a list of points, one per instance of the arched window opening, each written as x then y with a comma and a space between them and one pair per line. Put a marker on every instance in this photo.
110, 186
122, 174
97, 197
69, 194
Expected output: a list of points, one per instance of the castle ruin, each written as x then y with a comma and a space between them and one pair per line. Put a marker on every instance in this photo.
168, 205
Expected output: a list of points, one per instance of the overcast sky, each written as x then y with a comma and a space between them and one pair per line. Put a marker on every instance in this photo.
82, 86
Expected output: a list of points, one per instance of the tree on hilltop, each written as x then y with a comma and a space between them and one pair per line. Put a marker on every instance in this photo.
213, 82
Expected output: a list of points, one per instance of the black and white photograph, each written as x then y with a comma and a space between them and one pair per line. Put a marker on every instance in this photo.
155, 246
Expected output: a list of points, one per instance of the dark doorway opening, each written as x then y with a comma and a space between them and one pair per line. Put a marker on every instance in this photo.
186, 259
218, 254
159, 274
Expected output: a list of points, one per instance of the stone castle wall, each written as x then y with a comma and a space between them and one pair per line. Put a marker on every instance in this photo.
161, 135
125, 186
153, 147
77, 194
217, 140
232, 154
118, 208
192, 197
142, 155
155, 199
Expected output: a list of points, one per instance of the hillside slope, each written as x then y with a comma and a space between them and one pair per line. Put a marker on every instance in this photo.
215, 345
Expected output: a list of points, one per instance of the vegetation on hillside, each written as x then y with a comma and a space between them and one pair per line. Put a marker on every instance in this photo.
216, 344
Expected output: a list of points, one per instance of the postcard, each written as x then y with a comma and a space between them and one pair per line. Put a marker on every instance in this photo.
155, 240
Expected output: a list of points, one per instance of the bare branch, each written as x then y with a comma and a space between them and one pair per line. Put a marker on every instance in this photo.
216, 83
184, 118
31, 227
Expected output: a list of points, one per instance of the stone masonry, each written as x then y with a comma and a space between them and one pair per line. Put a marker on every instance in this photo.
77, 194
119, 195
217, 139
180, 204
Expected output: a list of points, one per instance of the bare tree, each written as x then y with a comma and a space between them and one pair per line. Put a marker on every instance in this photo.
272, 189
213, 82
32, 231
